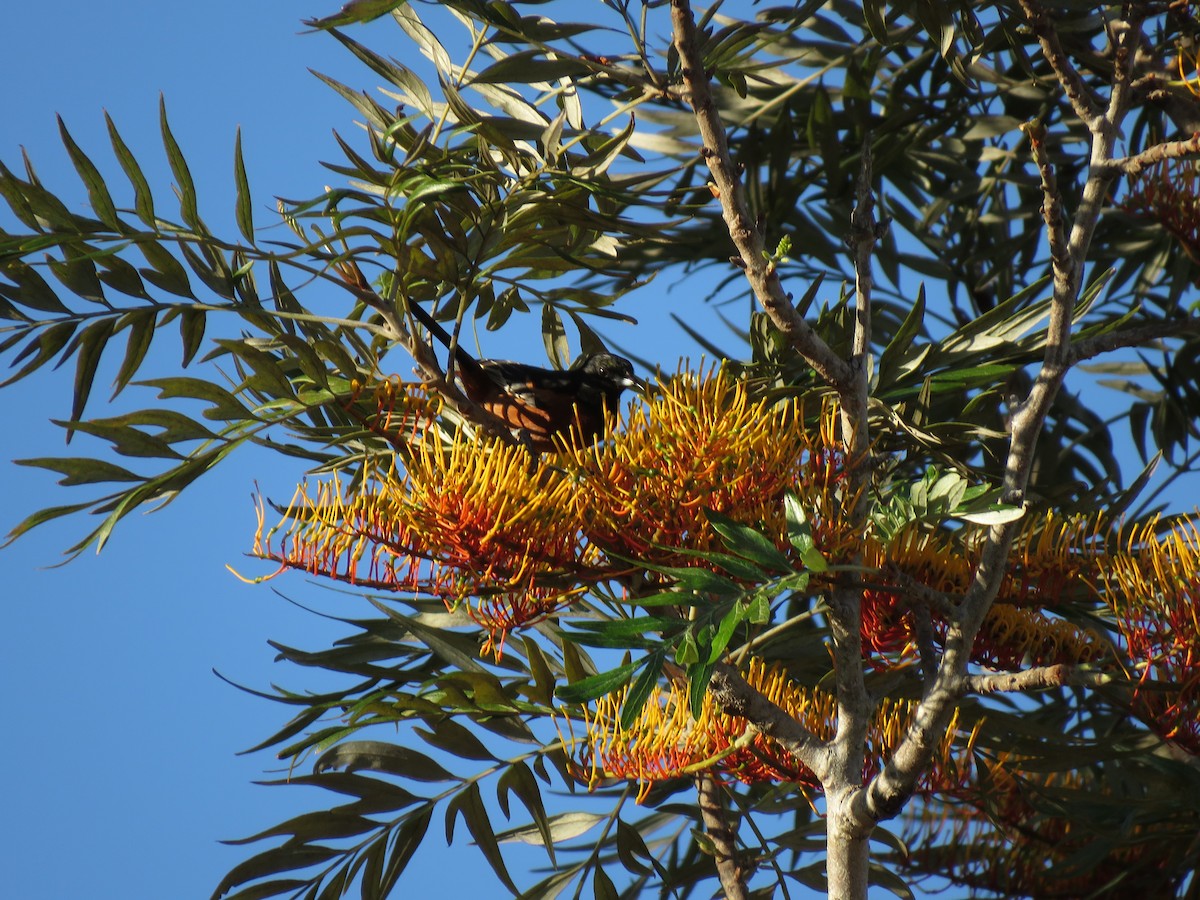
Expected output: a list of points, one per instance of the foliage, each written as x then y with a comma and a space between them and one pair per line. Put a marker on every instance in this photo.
885, 475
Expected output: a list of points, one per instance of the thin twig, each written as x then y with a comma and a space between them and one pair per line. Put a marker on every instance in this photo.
1037, 679
421, 352
1087, 105
1087, 348
890, 790
1138, 163
760, 272
865, 231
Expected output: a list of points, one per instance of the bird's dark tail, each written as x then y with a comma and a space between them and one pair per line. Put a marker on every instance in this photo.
353, 276
463, 359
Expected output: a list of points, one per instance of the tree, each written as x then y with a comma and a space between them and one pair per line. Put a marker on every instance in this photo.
877, 564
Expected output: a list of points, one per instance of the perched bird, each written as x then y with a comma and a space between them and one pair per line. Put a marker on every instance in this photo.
541, 404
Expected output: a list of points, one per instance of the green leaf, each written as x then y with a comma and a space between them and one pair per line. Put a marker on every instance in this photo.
560, 827
701, 581
404, 845
78, 274
125, 439
630, 846
747, 542
380, 756
602, 886
92, 341
223, 406
528, 66
267, 374
32, 289
998, 516
141, 324
243, 208
688, 651
143, 198
542, 690
98, 195
469, 804
442, 643
41, 517
519, 780
638, 631
372, 794
554, 336
188, 210
587, 689
12, 189
640, 692
698, 679
800, 535
264, 889
900, 347
191, 332
724, 633
759, 611
47, 342
325, 825
80, 470
356, 11
168, 273
449, 735
121, 275
737, 566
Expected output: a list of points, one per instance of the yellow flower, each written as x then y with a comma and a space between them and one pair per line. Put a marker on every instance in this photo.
664, 741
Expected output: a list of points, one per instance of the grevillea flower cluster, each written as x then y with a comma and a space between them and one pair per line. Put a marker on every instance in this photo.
1153, 589
1054, 561
664, 741
705, 444
1169, 194
512, 539
478, 522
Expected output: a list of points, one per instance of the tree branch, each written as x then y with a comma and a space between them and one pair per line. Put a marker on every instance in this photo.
1037, 679
1085, 102
721, 830
760, 272
855, 706
1135, 165
736, 697
1027, 419
1132, 337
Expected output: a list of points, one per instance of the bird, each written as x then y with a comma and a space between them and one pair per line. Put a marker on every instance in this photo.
543, 407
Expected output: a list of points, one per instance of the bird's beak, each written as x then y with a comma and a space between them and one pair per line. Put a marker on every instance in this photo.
635, 384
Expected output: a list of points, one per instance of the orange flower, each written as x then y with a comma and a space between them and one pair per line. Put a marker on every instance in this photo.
1154, 588
1169, 194
666, 742
473, 520
705, 443
478, 520
1052, 560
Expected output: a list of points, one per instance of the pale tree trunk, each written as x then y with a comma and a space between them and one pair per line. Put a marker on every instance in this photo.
847, 853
